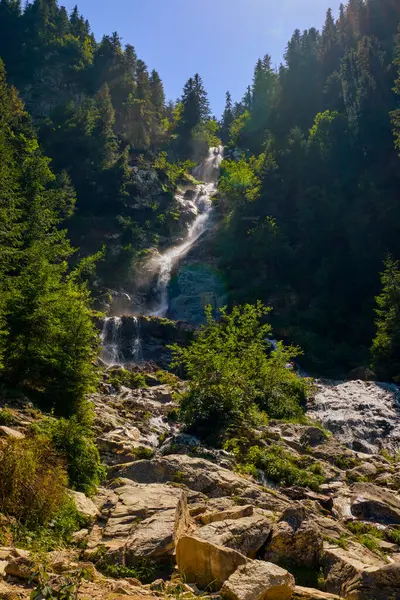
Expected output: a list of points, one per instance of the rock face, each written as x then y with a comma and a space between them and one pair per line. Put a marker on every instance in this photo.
202, 476
246, 535
372, 503
357, 574
362, 415
84, 505
140, 521
206, 564
258, 580
295, 539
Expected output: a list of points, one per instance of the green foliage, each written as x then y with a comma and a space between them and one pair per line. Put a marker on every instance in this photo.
231, 369
277, 464
386, 345
7, 417
118, 377
32, 481
144, 570
73, 440
65, 588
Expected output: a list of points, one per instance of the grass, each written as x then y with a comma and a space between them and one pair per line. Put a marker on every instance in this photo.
369, 534
278, 465
144, 570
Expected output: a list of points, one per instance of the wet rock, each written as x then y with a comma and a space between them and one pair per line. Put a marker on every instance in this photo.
296, 539
362, 374
258, 580
358, 412
246, 535
203, 476
206, 564
313, 436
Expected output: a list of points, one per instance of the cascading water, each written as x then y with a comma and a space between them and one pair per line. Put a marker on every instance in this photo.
207, 171
137, 351
121, 338
110, 338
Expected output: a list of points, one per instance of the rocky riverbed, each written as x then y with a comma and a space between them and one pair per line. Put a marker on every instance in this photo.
182, 510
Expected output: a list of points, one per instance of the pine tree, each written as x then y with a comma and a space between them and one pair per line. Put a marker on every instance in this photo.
330, 51
386, 345
227, 118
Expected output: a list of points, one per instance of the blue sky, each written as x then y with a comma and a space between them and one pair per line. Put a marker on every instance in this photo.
220, 39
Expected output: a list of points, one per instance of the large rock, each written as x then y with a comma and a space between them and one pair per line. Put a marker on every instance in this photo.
206, 564
236, 512
258, 580
372, 503
246, 535
203, 476
140, 521
295, 539
356, 573
84, 505
360, 414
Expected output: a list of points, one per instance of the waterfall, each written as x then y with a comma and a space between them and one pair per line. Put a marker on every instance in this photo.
208, 172
137, 351
111, 341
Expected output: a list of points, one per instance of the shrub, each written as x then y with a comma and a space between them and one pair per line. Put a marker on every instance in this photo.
277, 464
231, 369
7, 417
33, 481
119, 377
74, 441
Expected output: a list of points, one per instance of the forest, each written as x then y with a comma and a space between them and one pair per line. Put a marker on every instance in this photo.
92, 152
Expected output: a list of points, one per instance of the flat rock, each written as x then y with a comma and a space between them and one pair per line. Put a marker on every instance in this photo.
206, 564
258, 580
246, 535
203, 476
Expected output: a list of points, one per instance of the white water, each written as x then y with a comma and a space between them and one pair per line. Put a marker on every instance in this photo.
137, 350
207, 171
110, 341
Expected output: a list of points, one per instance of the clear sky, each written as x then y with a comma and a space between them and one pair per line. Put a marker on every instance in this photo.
220, 39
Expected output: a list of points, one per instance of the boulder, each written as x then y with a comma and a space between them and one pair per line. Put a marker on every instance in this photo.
257, 580
8, 432
206, 564
295, 539
356, 573
237, 512
84, 505
372, 503
246, 535
140, 521
313, 436
203, 476
364, 470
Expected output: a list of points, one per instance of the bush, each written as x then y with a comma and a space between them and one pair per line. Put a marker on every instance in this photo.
277, 464
119, 377
232, 370
7, 417
74, 441
33, 481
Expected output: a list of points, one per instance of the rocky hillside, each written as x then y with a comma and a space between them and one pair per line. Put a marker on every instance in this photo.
178, 519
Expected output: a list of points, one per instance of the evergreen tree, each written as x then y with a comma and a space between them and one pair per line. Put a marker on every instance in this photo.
386, 345
227, 118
